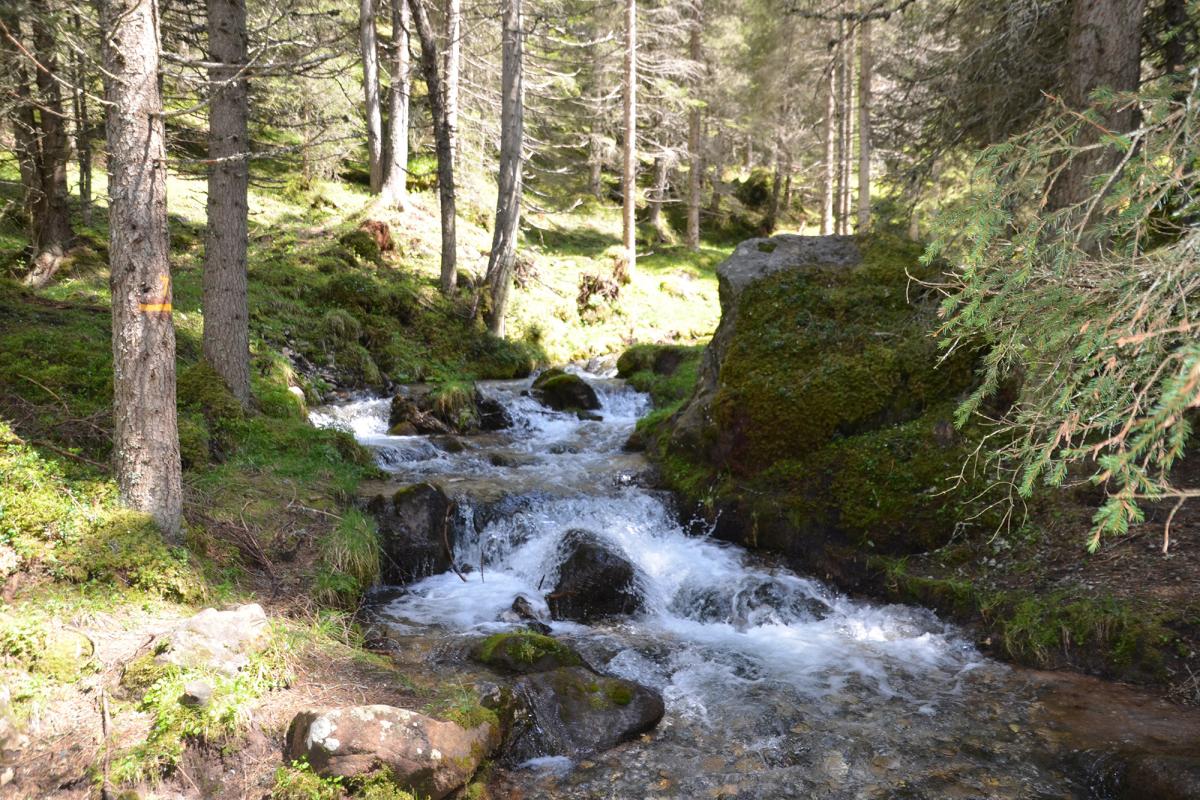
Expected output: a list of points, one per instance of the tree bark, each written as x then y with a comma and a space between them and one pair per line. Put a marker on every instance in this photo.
827, 157
776, 184
453, 71
695, 157
510, 179
864, 127
83, 132
395, 183
1103, 50
145, 437
442, 142
51, 208
847, 132
226, 337
369, 48
629, 175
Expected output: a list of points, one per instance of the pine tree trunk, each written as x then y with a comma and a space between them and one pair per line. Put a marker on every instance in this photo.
864, 128
509, 183
368, 47
443, 144
83, 134
829, 129
658, 195
24, 125
847, 132
52, 233
1103, 50
453, 71
695, 157
145, 436
226, 310
776, 184
839, 152
629, 176
395, 184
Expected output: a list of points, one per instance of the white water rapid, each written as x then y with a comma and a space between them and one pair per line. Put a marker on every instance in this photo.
775, 685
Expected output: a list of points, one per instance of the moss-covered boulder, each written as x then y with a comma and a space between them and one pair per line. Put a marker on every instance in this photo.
523, 652
821, 421
416, 538
564, 391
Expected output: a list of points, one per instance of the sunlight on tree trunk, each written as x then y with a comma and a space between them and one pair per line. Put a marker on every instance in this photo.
145, 436
864, 128
368, 47
629, 180
695, 157
395, 184
512, 141
454, 43
226, 312
442, 143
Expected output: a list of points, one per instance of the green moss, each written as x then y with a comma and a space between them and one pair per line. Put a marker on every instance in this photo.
453, 402
201, 389
618, 693
667, 373
194, 440
362, 244
126, 548
525, 651
818, 354
380, 785
460, 705
297, 781
141, 673
339, 327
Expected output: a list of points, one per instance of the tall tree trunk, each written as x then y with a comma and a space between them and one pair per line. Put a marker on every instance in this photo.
52, 231
83, 134
368, 46
395, 183
226, 308
629, 176
829, 130
443, 144
25, 129
598, 121
145, 433
776, 184
847, 131
659, 194
840, 117
1103, 50
695, 157
510, 180
864, 127
453, 71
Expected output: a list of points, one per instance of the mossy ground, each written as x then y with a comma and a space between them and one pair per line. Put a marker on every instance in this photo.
268, 498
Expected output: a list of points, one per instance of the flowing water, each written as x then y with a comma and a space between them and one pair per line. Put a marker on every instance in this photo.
775, 685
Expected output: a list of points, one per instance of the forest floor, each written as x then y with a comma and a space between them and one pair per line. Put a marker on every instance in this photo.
269, 500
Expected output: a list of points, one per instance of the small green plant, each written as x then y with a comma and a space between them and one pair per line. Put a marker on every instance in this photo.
297, 781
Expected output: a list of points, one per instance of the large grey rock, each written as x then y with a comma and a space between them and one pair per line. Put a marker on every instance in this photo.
415, 533
750, 261
595, 580
218, 640
426, 756
574, 712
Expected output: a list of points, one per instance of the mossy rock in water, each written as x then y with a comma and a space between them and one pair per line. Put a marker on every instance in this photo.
661, 359
199, 388
563, 391
524, 652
